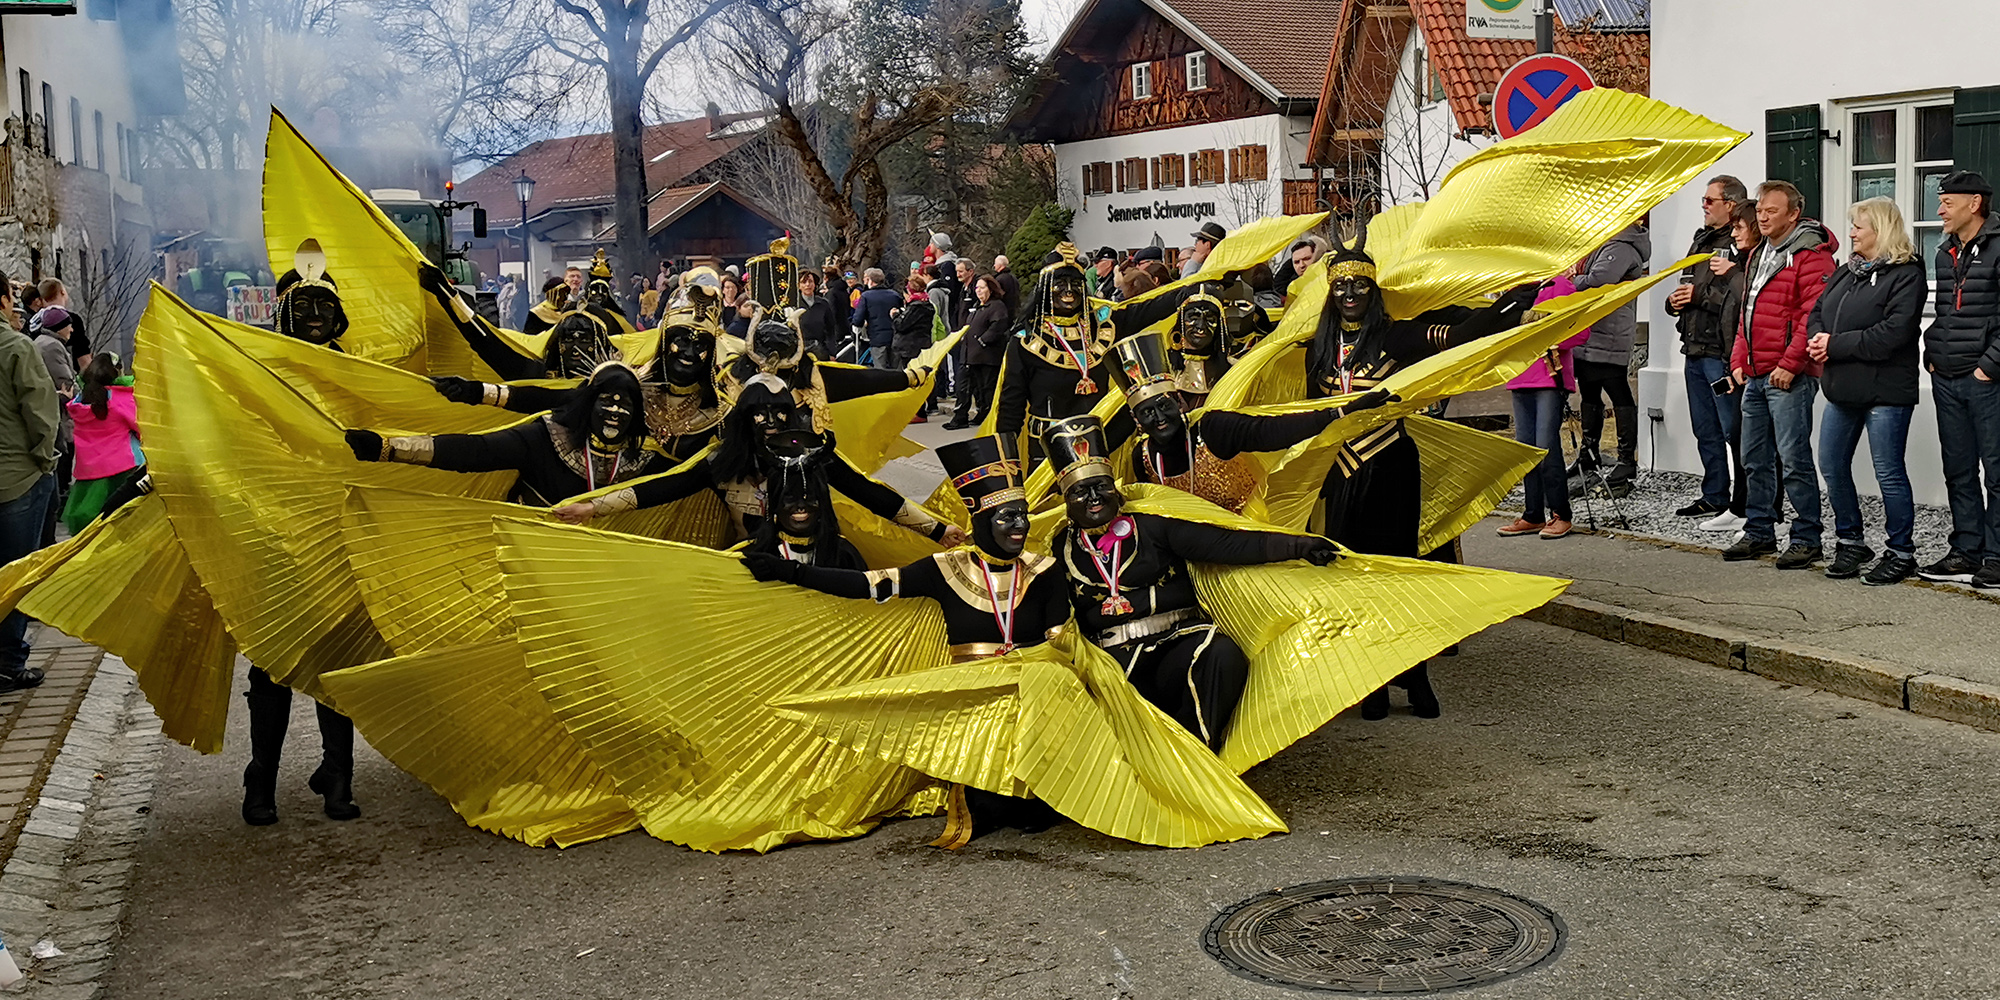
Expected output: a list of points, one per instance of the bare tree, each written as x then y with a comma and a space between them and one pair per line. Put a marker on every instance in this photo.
110, 288
767, 172
898, 71
627, 40
477, 76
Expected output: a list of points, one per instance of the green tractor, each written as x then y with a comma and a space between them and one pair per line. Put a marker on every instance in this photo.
428, 225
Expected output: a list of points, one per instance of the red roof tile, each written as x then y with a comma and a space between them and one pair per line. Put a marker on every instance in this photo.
577, 170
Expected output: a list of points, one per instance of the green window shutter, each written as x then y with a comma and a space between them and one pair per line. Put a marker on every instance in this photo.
1975, 131
1791, 152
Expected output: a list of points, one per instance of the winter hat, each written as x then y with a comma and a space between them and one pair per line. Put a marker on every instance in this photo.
1965, 182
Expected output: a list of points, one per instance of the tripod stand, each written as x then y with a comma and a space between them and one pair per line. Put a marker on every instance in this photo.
1589, 471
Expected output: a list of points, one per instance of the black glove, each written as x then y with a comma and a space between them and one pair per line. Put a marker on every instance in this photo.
769, 568
1369, 401
1519, 297
1321, 553
367, 445
460, 390
431, 279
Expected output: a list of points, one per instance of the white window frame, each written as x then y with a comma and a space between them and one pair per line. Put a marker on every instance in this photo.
1142, 80
1197, 70
1906, 168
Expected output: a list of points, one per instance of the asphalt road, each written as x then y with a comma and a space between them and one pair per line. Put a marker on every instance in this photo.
1703, 833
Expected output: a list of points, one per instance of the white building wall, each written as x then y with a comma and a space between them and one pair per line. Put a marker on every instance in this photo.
1418, 135
1862, 50
79, 58
1174, 215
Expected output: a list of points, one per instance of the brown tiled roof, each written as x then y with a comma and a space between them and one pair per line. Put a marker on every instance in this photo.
1472, 66
1283, 43
577, 170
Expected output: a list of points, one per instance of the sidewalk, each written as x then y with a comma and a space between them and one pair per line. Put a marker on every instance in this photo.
1925, 648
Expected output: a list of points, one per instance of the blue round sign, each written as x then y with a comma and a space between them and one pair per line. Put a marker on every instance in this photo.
1532, 89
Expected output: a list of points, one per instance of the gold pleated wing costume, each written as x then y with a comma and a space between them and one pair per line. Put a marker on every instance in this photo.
124, 584
1058, 721
1320, 638
671, 701
1526, 208
467, 721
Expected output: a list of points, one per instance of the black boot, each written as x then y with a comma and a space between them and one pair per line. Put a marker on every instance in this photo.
335, 778
1417, 681
1375, 707
1587, 457
270, 713
1627, 468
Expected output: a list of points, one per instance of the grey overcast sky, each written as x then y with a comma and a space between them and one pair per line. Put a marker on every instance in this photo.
1047, 18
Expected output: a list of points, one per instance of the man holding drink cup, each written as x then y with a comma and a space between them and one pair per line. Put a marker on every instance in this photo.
1699, 305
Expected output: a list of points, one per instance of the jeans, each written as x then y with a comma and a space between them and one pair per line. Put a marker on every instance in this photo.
1715, 426
1777, 427
1968, 413
21, 522
1888, 430
1538, 416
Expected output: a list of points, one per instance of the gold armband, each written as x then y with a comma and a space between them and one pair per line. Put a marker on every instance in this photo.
615, 502
494, 395
408, 450
916, 518
877, 577
916, 376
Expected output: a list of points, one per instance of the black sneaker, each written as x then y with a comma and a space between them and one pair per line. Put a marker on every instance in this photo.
1988, 577
1701, 508
1891, 569
1749, 548
20, 678
1799, 556
1848, 560
1953, 568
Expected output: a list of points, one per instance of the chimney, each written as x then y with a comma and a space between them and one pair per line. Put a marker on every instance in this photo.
714, 118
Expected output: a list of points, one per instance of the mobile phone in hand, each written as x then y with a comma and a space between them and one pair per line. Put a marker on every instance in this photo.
1723, 386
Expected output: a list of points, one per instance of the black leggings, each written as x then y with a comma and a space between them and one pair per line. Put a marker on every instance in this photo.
1596, 380
1194, 673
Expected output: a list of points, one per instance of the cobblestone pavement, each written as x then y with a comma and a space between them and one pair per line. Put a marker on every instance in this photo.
77, 763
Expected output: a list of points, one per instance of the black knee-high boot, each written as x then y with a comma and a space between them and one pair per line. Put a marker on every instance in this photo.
270, 713
1627, 467
334, 779
1417, 681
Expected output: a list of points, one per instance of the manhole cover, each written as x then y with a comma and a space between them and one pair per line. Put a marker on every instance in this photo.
1383, 935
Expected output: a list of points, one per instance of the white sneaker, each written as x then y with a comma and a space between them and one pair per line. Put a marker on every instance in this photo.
1724, 521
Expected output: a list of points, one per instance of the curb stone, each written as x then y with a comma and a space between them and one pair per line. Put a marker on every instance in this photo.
1936, 696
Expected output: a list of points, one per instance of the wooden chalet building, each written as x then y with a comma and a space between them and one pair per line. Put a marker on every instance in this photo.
1165, 114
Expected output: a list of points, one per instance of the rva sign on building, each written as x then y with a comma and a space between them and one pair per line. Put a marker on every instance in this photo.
1500, 18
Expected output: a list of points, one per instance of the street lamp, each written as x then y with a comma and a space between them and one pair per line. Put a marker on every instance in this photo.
524, 188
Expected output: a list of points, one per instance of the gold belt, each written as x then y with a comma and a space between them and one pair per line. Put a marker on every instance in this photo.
968, 651
1151, 625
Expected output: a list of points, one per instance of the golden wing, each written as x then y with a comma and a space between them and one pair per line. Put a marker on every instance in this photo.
262, 528
467, 721
1243, 249
1320, 638
1058, 721
1526, 208
870, 428
673, 706
124, 584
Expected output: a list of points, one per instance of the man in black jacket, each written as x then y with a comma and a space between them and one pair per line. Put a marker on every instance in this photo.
1705, 339
1962, 352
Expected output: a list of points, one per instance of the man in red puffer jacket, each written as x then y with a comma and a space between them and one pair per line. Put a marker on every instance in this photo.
1787, 272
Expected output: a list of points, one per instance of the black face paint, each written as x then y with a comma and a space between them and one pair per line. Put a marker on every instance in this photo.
1003, 531
1160, 418
1354, 297
1066, 293
687, 355
798, 516
577, 346
775, 341
615, 417
1093, 503
1199, 324
314, 315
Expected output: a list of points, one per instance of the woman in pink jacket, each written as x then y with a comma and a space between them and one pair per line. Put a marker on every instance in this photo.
1539, 394
107, 440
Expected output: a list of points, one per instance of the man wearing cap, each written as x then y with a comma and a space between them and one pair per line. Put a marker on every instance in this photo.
1205, 240
1962, 352
1103, 265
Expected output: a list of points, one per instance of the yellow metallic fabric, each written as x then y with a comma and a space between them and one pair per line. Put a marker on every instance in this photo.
1244, 249
124, 584
1526, 208
1320, 638
673, 706
466, 721
1058, 721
